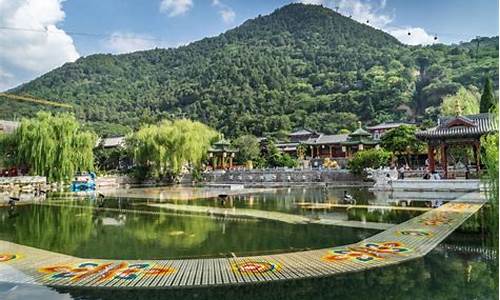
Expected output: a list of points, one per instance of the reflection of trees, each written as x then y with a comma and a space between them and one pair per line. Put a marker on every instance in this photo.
168, 231
60, 229
381, 215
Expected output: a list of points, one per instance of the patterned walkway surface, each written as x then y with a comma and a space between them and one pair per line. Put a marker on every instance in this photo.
406, 241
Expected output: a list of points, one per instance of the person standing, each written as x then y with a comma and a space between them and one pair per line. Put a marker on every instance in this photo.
401, 172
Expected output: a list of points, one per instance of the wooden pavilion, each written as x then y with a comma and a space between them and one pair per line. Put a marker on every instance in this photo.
456, 131
358, 140
221, 154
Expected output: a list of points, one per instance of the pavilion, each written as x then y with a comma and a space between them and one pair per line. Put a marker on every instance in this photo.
457, 131
221, 154
358, 140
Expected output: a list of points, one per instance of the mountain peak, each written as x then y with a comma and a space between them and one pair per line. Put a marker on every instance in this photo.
302, 65
302, 20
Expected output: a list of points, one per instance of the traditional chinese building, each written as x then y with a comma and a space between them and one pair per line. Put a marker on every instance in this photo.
113, 142
303, 135
295, 139
377, 131
358, 140
326, 146
458, 131
221, 155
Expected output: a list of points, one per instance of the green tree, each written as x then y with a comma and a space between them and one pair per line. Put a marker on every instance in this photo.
464, 102
371, 158
248, 148
402, 141
274, 158
488, 97
7, 150
54, 146
164, 149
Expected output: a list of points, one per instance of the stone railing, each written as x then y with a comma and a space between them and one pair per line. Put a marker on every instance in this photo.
280, 176
19, 182
454, 185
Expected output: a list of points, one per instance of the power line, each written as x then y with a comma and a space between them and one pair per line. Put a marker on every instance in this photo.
86, 34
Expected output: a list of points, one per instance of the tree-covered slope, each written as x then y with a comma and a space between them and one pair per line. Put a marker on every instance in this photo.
303, 65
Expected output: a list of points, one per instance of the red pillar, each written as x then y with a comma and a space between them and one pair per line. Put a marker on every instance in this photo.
444, 160
430, 156
477, 155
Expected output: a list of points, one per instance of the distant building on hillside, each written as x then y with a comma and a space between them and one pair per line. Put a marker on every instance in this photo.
113, 142
8, 126
378, 130
303, 135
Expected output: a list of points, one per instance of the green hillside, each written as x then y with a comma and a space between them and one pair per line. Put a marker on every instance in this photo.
302, 65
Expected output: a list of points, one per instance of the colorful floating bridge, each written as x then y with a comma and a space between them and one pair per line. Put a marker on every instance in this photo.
406, 241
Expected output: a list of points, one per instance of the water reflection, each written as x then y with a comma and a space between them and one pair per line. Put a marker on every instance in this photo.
81, 230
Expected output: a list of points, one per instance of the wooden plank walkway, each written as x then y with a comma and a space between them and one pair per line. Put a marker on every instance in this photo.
269, 215
406, 241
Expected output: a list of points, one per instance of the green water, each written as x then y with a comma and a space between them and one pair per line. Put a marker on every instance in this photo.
80, 228
126, 228
87, 232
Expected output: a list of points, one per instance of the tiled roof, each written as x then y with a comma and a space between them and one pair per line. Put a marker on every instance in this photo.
461, 126
327, 139
282, 145
302, 132
360, 132
386, 125
113, 142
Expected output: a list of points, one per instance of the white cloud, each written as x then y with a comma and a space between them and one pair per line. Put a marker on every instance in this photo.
25, 54
175, 7
125, 42
363, 11
227, 13
418, 36
366, 11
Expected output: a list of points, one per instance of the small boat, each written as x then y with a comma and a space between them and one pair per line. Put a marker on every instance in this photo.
84, 183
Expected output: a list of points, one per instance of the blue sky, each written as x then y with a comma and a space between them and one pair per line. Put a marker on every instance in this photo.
122, 26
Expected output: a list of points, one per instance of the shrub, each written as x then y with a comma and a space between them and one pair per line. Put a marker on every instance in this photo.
372, 158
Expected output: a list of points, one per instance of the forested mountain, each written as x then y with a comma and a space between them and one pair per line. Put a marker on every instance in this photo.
302, 65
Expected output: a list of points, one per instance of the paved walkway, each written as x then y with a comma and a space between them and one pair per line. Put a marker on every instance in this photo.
403, 242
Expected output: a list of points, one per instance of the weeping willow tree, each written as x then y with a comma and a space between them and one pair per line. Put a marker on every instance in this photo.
54, 146
166, 148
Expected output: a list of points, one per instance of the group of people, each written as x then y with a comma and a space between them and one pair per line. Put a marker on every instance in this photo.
434, 175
